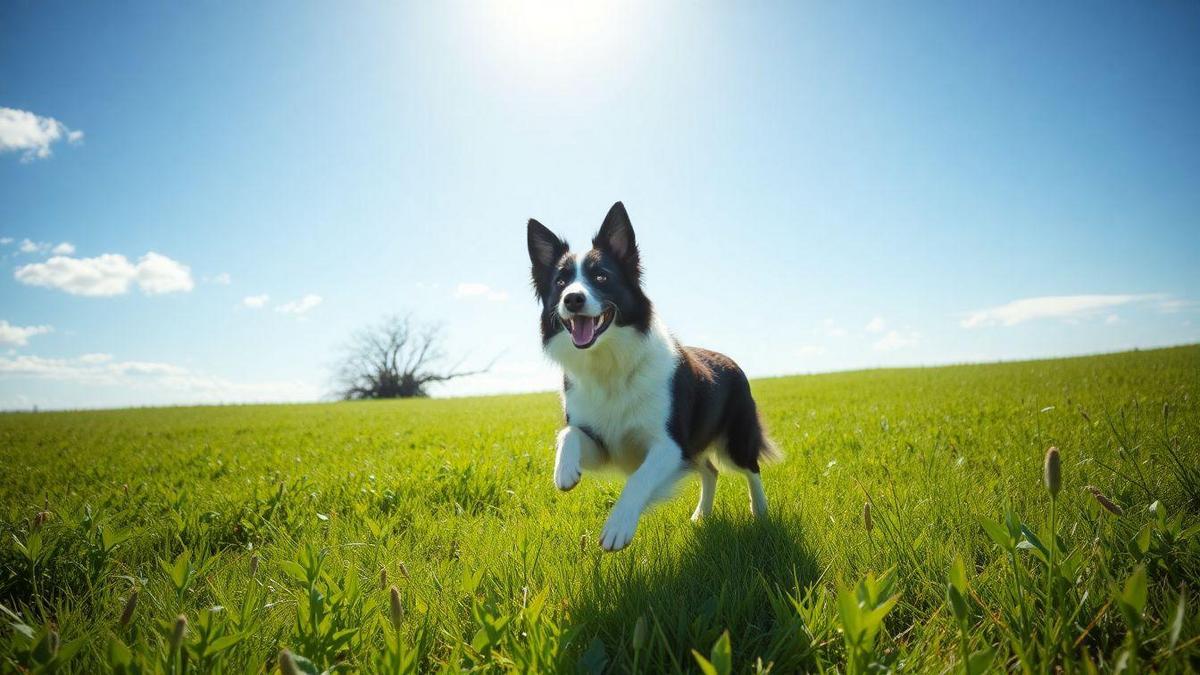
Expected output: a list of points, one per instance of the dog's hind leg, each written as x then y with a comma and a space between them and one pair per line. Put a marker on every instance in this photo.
708, 490
758, 497
654, 479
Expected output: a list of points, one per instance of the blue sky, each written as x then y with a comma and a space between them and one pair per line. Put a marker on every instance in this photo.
814, 186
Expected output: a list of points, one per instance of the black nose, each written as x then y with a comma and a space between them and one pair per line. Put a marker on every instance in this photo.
574, 301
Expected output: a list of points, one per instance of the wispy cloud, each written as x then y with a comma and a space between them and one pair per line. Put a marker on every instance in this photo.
256, 301
5, 241
469, 290
175, 383
1060, 307
108, 274
32, 135
832, 329
301, 306
876, 325
222, 279
30, 246
895, 339
18, 336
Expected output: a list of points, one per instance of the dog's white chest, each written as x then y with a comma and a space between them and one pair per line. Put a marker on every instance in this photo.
626, 420
627, 403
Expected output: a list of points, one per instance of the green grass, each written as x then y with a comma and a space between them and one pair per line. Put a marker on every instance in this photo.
496, 570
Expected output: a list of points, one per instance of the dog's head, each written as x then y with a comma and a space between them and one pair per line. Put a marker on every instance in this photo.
587, 296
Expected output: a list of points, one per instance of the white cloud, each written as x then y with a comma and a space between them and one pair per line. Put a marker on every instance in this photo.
832, 329
256, 301
164, 382
876, 325
222, 279
32, 135
5, 241
1169, 305
895, 339
468, 290
157, 274
18, 336
30, 246
301, 306
1055, 307
108, 274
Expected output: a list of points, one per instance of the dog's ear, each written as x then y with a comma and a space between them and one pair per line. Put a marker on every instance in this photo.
545, 249
616, 236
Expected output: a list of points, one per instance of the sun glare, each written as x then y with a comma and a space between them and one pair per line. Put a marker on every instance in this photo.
556, 38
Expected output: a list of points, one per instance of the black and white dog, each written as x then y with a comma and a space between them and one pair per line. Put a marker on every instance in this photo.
635, 399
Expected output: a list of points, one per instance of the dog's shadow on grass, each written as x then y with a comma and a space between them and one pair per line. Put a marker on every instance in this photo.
731, 573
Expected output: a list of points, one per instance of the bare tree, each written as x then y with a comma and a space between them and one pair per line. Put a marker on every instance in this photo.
396, 358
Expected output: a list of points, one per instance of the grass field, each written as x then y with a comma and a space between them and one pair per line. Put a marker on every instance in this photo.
267, 528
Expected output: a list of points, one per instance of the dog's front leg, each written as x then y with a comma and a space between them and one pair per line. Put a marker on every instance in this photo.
576, 451
652, 481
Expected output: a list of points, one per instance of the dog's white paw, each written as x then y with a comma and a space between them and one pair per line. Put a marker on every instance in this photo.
619, 529
566, 477
567, 469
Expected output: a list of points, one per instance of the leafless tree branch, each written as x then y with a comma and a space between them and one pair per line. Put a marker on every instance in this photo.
396, 358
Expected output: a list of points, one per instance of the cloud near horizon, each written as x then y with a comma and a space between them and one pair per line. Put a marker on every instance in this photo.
178, 384
470, 290
895, 339
32, 135
301, 306
1060, 307
108, 274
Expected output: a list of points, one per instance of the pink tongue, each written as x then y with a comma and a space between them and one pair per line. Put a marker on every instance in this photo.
582, 330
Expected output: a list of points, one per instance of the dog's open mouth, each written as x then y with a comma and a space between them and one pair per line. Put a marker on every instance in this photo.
585, 329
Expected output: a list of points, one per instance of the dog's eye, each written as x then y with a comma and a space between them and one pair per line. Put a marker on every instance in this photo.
560, 283
601, 278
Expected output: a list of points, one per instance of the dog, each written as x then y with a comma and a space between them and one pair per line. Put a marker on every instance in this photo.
635, 399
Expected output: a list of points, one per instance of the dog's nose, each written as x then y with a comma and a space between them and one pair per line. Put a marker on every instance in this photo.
574, 301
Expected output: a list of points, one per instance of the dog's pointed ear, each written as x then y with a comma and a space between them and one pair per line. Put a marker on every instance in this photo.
616, 236
545, 249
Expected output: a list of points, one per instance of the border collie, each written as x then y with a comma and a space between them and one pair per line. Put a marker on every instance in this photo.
636, 400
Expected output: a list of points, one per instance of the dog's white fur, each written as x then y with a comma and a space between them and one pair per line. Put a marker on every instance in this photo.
620, 388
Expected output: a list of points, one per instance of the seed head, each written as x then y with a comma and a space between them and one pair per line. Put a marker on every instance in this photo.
383, 578
41, 518
397, 609
403, 570
254, 565
868, 523
1052, 473
639, 634
130, 605
52, 642
179, 632
287, 665
583, 543
1107, 503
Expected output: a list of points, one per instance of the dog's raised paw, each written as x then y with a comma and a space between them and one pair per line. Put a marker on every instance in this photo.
618, 531
565, 480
